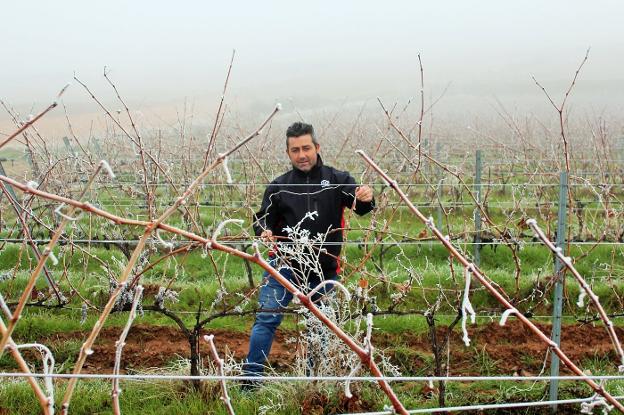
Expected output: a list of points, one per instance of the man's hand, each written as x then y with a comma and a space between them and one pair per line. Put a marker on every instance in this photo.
267, 235
363, 194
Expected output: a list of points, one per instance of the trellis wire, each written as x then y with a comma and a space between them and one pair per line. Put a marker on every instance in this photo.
240, 203
443, 184
273, 378
351, 242
364, 378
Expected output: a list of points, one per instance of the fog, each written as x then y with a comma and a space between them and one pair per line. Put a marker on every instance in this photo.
161, 53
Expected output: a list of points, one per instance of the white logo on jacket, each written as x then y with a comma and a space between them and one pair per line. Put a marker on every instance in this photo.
324, 183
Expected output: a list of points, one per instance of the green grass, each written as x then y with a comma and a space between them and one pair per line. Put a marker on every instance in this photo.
194, 278
94, 396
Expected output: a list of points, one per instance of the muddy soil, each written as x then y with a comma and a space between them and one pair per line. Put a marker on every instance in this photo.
508, 350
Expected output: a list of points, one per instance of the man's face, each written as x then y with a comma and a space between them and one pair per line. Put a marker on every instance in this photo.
302, 152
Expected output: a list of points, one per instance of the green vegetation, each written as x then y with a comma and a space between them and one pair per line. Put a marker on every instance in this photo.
407, 257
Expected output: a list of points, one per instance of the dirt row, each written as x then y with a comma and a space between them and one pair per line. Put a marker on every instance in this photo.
504, 350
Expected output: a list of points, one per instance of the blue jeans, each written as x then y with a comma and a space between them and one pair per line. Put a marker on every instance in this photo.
273, 296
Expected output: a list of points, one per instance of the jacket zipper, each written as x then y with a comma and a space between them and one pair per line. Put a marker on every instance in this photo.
308, 190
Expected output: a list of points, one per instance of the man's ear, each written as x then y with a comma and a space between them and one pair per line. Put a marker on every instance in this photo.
318, 147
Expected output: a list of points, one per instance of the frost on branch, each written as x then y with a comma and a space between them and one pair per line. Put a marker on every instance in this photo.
353, 372
33, 185
337, 284
107, 168
588, 407
581, 298
506, 315
302, 248
222, 225
164, 295
466, 306
59, 212
47, 359
51, 256
119, 344
166, 244
220, 363
83, 313
126, 295
226, 169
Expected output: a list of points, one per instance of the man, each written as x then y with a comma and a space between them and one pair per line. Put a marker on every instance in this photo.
309, 187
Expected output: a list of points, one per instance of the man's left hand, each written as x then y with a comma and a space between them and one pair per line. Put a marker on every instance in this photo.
364, 194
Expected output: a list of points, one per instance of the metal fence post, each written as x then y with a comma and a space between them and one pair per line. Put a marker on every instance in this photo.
558, 296
8, 186
97, 147
477, 212
68, 146
29, 159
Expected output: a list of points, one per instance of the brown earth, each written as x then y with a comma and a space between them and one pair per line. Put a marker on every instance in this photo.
508, 349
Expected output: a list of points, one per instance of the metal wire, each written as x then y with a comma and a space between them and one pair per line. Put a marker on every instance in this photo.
446, 204
435, 185
328, 243
316, 378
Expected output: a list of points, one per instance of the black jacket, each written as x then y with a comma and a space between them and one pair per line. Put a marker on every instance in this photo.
323, 189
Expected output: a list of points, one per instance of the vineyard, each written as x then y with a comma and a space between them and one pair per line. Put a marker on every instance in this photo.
489, 276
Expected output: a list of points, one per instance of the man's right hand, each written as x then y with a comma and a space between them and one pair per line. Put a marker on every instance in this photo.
267, 235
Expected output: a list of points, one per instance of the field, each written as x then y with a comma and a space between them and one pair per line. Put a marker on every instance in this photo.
154, 251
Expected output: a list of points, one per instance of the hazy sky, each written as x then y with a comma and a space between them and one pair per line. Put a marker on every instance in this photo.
160, 52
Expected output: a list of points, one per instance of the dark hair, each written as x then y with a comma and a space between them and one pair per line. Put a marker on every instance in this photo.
298, 129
